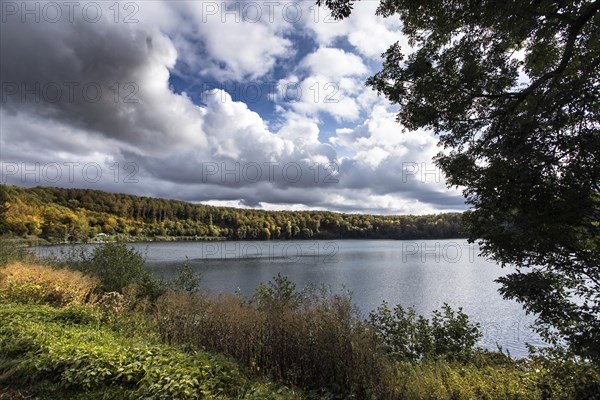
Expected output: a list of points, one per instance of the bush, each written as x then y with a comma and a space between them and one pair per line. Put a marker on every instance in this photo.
43, 284
316, 339
187, 280
408, 337
564, 375
118, 266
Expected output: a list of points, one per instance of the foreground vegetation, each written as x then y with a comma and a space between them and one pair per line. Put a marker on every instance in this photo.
70, 330
71, 350
56, 215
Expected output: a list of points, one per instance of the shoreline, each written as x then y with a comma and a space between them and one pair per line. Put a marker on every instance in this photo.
41, 242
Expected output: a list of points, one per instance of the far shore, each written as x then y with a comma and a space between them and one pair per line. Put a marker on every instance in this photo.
36, 241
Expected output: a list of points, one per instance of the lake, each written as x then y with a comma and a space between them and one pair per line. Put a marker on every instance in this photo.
421, 273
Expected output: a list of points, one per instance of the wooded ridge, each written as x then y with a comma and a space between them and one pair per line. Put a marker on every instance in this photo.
58, 214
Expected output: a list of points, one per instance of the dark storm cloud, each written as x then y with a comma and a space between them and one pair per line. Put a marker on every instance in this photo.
90, 76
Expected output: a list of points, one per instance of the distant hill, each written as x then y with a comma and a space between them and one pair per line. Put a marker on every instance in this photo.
58, 214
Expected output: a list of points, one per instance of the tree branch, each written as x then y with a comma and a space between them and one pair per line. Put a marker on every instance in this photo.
574, 30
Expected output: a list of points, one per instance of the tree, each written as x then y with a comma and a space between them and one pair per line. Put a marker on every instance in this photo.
513, 91
4, 205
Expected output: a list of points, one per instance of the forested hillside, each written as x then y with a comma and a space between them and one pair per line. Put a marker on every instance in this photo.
58, 214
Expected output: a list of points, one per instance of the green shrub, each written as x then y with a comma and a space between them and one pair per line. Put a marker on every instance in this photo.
117, 266
406, 336
187, 279
565, 376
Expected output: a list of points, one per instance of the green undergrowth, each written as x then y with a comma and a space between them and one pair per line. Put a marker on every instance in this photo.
69, 353
64, 336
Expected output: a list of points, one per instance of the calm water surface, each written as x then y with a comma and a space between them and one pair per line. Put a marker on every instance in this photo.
424, 274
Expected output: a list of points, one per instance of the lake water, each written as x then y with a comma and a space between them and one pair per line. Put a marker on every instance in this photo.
424, 274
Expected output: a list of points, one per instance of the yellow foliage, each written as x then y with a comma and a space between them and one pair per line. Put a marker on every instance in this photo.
31, 283
23, 219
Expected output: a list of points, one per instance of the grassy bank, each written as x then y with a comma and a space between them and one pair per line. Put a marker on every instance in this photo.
72, 353
101, 327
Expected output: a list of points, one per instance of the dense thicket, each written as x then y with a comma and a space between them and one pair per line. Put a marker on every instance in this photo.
59, 214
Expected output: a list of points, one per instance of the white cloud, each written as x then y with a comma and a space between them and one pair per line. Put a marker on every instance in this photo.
216, 38
328, 80
370, 35
170, 139
332, 63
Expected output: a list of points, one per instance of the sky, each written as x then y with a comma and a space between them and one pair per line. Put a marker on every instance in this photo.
236, 103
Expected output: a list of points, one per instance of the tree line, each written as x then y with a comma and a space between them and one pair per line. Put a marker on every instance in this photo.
59, 214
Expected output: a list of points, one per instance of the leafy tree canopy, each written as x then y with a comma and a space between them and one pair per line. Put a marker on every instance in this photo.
58, 214
513, 90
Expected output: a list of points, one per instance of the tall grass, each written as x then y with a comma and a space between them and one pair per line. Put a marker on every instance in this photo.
33, 283
316, 340
313, 339
10, 251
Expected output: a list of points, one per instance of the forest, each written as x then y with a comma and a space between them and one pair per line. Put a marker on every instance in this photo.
59, 215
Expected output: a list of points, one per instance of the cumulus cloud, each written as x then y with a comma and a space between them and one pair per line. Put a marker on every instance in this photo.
327, 81
229, 39
332, 62
394, 162
97, 97
368, 33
